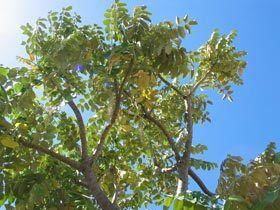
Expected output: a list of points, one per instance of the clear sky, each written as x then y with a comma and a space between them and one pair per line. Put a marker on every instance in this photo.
243, 127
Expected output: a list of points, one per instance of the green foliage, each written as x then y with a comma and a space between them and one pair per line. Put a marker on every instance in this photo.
255, 184
87, 64
191, 201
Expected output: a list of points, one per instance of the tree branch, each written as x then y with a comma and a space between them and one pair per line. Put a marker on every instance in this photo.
82, 129
200, 183
189, 121
114, 115
199, 82
172, 86
202, 78
108, 127
74, 164
193, 175
80, 183
169, 138
116, 193
185, 161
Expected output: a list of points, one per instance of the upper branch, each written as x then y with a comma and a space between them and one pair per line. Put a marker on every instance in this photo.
109, 126
114, 116
189, 121
168, 136
192, 174
172, 86
82, 129
195, 86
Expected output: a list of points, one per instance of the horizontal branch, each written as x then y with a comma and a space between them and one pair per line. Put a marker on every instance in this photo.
74, 164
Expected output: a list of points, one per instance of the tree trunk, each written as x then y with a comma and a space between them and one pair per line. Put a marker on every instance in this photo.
182, 184
102, 200
184, 165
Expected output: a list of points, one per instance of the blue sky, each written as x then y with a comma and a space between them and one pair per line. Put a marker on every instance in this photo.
243, 127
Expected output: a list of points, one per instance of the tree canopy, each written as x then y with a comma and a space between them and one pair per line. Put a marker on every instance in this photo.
103, 117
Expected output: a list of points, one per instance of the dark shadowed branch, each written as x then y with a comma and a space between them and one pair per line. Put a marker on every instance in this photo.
200, 183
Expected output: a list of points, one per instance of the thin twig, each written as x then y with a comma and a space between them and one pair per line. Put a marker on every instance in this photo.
172, 86
199, 82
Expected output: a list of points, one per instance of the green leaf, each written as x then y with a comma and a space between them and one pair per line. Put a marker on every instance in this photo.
8, 141
3, 71
168, 202
107, 22
69, 8
181, 31
178, 204
178, 20
193, 22
236, 198
18, 87
188, 205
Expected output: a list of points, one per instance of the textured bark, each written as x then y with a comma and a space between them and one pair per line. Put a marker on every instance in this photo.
101, 198
185, 160
182, 183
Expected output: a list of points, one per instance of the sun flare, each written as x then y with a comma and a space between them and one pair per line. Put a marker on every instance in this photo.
9, 17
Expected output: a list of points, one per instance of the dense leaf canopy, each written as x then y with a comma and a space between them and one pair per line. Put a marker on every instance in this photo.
105, 115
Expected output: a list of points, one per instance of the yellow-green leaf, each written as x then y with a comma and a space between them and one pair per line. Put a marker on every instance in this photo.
8, 141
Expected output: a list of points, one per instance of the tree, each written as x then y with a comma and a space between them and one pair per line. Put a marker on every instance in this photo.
254, 186
105, 117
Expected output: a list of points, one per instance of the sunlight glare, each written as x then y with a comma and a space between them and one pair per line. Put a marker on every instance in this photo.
10, 11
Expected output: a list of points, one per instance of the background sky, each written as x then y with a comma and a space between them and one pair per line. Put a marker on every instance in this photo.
243, 127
